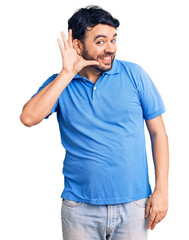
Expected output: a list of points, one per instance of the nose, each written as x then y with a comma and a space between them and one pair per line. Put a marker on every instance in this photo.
110, 48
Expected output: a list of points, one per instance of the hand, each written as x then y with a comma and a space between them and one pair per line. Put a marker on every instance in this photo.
159, 204
72, 61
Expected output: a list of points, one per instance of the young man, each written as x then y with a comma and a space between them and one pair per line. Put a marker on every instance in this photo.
101, 105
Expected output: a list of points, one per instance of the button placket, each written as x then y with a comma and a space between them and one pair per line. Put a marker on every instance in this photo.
95, 89
95, 98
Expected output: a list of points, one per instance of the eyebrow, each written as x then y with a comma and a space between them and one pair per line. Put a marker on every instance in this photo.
98, 36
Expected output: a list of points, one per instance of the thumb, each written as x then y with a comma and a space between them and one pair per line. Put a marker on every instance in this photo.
90, 62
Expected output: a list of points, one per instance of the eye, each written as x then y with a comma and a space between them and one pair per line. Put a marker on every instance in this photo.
113, 40
99, 42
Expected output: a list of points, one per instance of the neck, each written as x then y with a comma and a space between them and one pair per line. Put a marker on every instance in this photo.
90, 73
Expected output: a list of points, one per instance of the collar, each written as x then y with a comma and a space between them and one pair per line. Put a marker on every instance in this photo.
114, 70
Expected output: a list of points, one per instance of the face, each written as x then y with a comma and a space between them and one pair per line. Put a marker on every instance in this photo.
100, 45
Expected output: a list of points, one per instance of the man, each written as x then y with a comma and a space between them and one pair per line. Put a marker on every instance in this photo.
101, 105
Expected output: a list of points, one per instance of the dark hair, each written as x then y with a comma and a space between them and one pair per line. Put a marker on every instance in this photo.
89, 16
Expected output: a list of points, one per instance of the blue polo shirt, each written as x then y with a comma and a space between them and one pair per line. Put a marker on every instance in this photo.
102, 130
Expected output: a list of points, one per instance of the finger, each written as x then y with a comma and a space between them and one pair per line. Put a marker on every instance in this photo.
91, 62
152, 217
70, 38
147, 209
160, 217
156, 220
66, 45
60, 46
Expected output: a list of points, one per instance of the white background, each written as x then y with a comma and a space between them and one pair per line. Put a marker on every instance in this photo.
153, 34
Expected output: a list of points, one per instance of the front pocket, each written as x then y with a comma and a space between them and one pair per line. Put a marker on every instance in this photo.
70, 203
141, 202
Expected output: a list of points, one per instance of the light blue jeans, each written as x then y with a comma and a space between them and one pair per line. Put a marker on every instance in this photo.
83, 221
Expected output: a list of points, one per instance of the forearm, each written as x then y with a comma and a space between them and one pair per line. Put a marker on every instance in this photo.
160, 152
40, 105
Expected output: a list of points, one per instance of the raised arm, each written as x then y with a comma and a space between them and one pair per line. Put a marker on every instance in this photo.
37, 108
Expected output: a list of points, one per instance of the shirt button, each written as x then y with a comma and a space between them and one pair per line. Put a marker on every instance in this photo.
95, 88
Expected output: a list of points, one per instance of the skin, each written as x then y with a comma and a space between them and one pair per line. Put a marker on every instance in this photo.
86, 59
38, 107
157, 205
99, 42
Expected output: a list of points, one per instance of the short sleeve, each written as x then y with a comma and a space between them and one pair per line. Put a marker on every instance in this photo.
50, 79
150, 98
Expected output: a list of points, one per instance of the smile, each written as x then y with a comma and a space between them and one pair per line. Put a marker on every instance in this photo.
106, 59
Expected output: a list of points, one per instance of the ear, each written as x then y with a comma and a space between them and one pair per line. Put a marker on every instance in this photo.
77, 44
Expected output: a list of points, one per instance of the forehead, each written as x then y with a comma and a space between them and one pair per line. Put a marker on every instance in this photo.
100, 29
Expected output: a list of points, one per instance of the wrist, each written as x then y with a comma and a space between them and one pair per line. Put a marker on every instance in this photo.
66, 75
161, 188
63, 71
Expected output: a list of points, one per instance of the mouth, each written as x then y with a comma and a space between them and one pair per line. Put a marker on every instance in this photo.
106, 59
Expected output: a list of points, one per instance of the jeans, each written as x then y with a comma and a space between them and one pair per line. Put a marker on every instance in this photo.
83, 221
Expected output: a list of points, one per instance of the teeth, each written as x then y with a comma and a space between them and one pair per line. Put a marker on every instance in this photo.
107, 58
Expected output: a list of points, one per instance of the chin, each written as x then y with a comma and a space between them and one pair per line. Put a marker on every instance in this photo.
104, 68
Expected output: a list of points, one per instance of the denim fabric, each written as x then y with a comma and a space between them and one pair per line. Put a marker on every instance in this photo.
83, 221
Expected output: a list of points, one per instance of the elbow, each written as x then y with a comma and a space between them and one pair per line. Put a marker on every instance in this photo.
162, 135
26, 120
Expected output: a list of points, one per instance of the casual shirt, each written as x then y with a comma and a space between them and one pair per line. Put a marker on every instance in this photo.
102, 130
